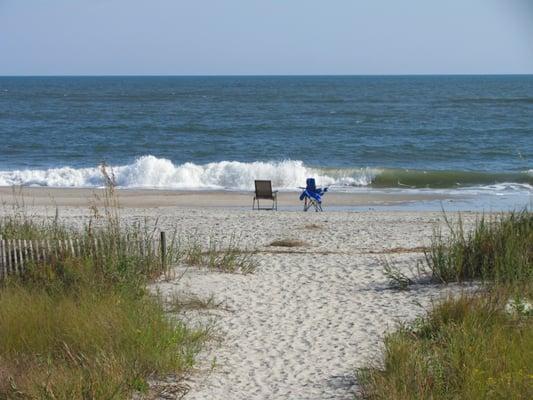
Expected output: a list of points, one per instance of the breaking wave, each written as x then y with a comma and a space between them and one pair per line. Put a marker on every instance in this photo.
152, 172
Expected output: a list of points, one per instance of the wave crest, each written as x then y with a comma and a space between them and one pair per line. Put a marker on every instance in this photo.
152, 172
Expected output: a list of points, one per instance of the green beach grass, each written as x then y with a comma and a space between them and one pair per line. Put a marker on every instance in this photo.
498, 249
471, 347
220, 257
86, 327
477, 345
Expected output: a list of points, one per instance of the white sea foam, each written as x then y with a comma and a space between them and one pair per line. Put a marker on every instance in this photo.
152, 172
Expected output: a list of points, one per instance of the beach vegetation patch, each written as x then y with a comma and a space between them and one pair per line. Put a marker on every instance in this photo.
190, 302
220, 256
470, 347
474, 346
397, 278
81, 324
87, 342
498, 249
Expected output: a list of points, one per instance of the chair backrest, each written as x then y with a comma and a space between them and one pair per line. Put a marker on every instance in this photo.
311, 184
263, 189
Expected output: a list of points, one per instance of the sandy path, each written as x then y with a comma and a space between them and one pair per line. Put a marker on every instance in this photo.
309, 316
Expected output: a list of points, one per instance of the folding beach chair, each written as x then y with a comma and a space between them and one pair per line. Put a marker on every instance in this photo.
263, 190
312, 196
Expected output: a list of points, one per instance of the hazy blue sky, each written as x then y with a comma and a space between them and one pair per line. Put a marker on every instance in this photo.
265, 36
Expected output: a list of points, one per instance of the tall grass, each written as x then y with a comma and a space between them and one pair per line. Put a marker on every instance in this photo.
118, 251
90, 344
499, 249
84, 326
476, 346
465, 348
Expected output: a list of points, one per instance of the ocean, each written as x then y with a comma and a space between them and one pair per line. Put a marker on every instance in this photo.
352, 133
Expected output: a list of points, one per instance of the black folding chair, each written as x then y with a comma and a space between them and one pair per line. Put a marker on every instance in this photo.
263, 190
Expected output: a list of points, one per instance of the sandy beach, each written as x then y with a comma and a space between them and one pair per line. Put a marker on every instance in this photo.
300, 326
309, 316
136, 138
147, 198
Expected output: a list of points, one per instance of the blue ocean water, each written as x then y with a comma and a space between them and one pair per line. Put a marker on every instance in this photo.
351, 132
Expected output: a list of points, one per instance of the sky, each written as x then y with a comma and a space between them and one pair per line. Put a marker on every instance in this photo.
265, 37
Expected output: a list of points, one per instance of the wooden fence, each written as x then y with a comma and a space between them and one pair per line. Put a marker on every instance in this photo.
17, 254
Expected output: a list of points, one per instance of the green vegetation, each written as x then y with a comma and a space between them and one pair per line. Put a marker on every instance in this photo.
397, 279
94, 344
466, 348
188, 302
217, 257
498, 249
84, 326
475, 346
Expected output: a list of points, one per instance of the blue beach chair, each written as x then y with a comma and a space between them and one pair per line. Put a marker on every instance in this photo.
312, 196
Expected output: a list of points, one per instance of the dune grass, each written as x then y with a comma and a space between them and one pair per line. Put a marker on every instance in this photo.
465, 348
85, 326
218, 256
498, 249
475, 346
96, 343
187, 302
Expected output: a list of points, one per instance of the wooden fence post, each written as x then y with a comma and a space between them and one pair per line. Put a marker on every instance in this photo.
43, 247
21, 256
3, 266
26, 254
17, 254
14, 255
163, 245
9, 260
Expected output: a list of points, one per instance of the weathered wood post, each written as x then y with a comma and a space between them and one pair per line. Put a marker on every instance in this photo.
3, 266
163, 244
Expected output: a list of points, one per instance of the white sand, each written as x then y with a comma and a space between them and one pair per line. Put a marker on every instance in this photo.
300, 326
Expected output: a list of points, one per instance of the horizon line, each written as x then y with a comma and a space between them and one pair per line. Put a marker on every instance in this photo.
255, 75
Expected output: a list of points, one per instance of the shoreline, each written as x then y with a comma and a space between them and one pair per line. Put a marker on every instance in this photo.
156, 198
